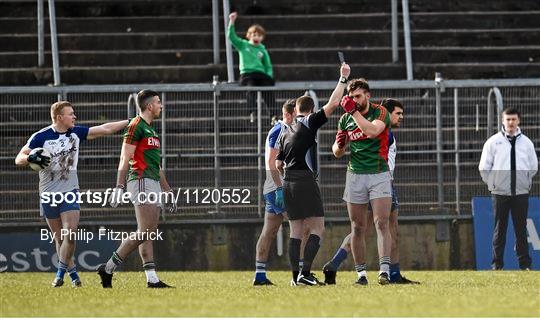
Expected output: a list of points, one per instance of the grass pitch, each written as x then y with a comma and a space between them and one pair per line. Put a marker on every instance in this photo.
230, 294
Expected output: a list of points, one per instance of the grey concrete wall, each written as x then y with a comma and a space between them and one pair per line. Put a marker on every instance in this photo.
232, 247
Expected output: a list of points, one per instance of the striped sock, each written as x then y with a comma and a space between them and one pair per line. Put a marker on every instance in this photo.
62, 267
384, 263
150, 271
113, 262
73, 273
260, 270
361, 269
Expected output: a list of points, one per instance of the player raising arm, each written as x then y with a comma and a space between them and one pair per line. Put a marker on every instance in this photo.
302, 196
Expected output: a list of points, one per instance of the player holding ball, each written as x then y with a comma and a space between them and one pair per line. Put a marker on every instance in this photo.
54, 150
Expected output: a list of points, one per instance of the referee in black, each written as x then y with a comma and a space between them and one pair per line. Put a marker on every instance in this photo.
297, 161
507, 166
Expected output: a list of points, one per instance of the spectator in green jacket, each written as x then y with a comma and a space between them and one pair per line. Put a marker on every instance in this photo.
255, 65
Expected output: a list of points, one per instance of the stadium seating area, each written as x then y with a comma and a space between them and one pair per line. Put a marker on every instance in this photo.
165, 41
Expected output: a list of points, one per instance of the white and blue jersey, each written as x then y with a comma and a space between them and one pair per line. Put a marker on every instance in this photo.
392, 151
61, 174
271, 140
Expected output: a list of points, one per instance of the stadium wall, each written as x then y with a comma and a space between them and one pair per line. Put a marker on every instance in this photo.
425, 245
232, 247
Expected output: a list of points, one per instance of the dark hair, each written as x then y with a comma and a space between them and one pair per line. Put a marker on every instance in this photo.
289, 105
305, 104
358, 84
144, 97
511, 110
390, 104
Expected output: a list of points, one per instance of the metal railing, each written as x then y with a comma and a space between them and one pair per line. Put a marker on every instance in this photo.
41, 34
53, 37
407, 38
209, 142
500, 106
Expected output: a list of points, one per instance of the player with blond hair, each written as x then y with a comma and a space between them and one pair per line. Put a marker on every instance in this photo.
62, 139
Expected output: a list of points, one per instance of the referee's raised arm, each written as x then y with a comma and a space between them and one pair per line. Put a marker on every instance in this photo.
335, 98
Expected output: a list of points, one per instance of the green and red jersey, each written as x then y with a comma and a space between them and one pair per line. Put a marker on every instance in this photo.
146, 161
368, 155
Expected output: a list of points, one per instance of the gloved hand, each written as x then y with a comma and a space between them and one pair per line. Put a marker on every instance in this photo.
348, 104
116, 196
342, 138
279, 197
39, 159
170, 203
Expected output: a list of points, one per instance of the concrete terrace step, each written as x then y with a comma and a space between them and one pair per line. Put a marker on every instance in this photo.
280, 39
467, 5
81, 8
241, 136
199, 104
421, 20
203, 142
331, 177
332, 172
291, 72
236, 119
27, 59
236, 122
197, 112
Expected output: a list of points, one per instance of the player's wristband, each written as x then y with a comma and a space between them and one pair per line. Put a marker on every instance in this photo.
121, 186
343, 80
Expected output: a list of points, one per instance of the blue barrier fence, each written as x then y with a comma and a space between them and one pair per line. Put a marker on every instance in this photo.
484, 221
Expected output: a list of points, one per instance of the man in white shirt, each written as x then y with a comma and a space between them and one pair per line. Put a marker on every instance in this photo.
507, 165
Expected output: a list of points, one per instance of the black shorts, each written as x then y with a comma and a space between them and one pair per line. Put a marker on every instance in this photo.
257, 79
302, 199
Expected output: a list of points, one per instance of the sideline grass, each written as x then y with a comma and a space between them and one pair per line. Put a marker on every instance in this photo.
230, 294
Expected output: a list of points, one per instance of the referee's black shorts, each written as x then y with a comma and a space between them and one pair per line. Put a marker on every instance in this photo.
302, 199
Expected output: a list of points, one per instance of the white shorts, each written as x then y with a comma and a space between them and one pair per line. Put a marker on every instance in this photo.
145, 191
361, 188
